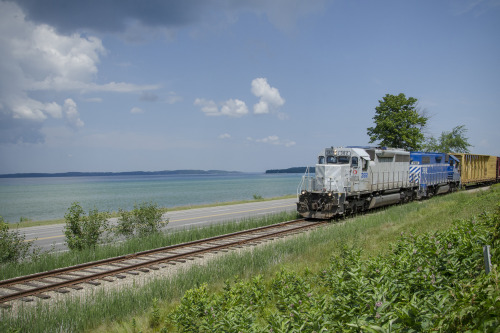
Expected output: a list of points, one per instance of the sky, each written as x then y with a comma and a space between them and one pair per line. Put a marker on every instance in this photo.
247, 85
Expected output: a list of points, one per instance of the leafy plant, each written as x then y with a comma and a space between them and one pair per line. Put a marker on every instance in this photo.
13, 245
84, 231
144, 219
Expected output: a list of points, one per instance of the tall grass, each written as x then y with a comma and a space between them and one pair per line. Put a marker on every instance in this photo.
113, 311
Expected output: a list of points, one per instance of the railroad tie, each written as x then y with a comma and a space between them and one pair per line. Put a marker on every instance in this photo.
42, 296
93, 283
62, 291
107, 279
75, 287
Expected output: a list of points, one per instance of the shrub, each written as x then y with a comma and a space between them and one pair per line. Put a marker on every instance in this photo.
84, 231
257, 197
432, 282
144, 219
13, 246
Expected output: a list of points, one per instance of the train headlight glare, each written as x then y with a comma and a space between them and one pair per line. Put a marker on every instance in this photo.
303, 192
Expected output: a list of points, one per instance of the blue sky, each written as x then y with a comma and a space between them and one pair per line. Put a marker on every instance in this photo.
243, 85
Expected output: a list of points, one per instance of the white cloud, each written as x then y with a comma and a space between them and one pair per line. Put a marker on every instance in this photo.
173, 98
136, 110
270, 98
273, 140
231, 107
36, 57
234, 108
72, 115
225, 136
208, 107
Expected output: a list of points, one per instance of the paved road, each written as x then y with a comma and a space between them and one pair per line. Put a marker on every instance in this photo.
53, 235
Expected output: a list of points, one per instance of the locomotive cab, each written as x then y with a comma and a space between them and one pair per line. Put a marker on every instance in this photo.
339, 172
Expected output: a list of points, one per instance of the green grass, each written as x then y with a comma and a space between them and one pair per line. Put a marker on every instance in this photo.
116, 311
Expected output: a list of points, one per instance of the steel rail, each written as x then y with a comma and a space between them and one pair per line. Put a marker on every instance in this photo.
131, 267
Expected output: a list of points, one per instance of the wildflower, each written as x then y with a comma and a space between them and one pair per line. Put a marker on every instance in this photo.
378, 304
377, 271
291, 314
309, 294
449, 245
291, 305
377, 315
419, 268
415, 251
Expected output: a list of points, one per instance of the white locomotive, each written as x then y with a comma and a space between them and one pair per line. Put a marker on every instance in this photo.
353, 179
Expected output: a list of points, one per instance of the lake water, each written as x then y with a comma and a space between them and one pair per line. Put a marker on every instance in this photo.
47, 198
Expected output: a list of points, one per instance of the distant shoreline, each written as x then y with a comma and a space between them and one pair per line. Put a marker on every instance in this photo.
127, 173
291, 170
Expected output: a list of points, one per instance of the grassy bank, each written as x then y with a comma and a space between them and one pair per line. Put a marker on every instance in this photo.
49, 261
25, 223
132, 309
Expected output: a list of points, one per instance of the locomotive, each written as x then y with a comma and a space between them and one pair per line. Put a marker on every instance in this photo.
353, 179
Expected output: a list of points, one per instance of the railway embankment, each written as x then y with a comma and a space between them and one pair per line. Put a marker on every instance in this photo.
292, 282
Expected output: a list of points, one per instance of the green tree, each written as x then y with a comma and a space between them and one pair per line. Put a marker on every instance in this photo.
84, 231
398, 123
454, 141
13, 245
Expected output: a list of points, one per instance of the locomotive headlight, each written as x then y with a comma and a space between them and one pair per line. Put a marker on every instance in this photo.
303, 192
329, 194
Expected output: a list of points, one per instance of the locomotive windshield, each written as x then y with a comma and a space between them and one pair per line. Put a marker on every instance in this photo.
343, 160
337, 159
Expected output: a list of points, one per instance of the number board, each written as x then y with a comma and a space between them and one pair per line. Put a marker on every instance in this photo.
343, 152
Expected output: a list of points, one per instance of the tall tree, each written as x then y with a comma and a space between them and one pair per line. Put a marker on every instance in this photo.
398, 123
454, 141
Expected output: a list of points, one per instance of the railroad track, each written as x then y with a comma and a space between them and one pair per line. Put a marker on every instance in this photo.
62, 280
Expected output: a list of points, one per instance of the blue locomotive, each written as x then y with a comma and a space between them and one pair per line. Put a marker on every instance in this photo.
355, 179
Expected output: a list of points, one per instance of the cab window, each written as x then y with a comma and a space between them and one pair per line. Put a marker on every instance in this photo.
343, 159
331, 160
354, 161
321, 160
365, 165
